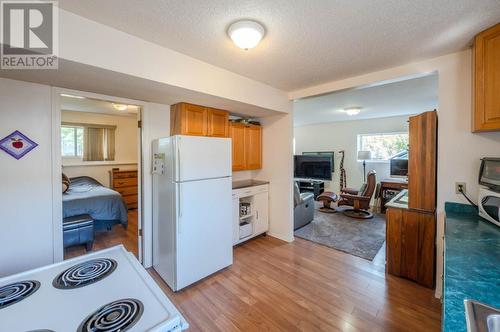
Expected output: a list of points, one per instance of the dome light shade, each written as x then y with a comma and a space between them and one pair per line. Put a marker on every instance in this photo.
120, 107
352, 111
246, 34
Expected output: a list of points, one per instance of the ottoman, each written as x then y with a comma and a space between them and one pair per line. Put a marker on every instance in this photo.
78, 230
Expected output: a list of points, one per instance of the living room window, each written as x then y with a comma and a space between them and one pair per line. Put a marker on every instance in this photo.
383, 146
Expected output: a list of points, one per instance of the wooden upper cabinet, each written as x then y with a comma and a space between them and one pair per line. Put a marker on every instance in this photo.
196, 120
237, 134
247, 146
218, 123
422, 162
486, 113
253, 146
188, 119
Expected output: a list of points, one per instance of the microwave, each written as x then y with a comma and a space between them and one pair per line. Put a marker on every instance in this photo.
489, 205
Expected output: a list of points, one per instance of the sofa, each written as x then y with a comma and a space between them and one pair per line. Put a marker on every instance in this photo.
303, 208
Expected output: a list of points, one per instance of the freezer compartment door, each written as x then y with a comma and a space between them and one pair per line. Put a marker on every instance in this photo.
200, 158
204, 229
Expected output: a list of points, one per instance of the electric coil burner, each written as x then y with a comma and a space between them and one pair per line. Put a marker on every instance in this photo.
16, 292
85, 273
117, 316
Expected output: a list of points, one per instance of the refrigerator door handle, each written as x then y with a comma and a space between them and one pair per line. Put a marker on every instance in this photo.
179, 222
179, 159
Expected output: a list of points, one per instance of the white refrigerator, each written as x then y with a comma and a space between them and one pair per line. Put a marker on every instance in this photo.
192, 208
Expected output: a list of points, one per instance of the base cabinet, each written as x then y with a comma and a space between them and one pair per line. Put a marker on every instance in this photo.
410, 245
250, 212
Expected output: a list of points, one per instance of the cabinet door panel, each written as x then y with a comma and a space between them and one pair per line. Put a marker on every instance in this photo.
487, 80
261, 206
195, 120
237, 134
253, 147
393, 241
422, 161
236, 220
218, 123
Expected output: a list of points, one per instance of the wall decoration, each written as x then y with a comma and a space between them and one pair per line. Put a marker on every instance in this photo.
17, 144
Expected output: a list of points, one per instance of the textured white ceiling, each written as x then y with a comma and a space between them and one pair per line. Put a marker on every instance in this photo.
400, 98
308, 42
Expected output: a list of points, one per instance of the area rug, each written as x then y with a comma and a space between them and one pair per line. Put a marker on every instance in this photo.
358, 237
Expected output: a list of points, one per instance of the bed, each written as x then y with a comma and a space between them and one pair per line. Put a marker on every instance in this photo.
86, 195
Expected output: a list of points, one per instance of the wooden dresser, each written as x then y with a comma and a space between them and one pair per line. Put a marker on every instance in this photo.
125, 182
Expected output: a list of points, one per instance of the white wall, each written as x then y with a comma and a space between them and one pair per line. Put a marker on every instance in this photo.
156, 124
126, 146
26, 184
277, 167
336, 136
459, 150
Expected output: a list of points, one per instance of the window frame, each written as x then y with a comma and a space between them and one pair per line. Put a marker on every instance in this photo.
75, 141
359, 147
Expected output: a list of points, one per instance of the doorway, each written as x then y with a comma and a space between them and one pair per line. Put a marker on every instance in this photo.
99, 146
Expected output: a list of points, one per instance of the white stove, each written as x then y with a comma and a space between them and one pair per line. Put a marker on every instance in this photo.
108, 290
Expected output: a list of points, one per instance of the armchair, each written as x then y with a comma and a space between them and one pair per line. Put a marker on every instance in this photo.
303, 212
359, 199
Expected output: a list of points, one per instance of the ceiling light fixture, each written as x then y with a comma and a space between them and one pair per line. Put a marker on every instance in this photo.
120, 107
71, 96
352, 111
246, 34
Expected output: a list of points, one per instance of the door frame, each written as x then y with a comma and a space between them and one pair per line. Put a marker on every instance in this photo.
144, 242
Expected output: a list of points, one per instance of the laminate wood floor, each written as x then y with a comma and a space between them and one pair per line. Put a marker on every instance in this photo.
118, 235
303, 286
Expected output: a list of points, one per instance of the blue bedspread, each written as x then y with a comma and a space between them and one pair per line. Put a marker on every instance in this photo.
87, 196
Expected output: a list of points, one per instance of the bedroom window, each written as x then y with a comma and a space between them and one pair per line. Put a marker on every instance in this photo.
383, 146
72, 141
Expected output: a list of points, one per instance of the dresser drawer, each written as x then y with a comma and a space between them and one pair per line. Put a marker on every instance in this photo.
125, 191
125, 174
128, 182
130, 199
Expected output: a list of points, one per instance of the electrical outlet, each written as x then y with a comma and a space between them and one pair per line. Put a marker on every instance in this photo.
457, 187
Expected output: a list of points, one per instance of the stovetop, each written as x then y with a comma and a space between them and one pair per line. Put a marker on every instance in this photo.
104, 291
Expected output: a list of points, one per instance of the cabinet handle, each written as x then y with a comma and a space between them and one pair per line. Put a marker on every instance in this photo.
257, 214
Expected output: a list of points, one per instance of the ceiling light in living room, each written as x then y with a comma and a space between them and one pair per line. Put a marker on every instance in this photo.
352, 110
246, 34
120, 107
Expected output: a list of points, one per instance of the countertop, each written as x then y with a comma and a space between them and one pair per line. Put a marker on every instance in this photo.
248, 183
399, 201
472, 264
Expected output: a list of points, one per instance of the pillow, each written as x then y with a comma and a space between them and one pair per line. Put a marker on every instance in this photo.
65, 183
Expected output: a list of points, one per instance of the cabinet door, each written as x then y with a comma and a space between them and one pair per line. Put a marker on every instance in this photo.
410, 245
194, 120
261, 206
487, 80
218, 123
237, 134
236, 219
422, 161
253, 147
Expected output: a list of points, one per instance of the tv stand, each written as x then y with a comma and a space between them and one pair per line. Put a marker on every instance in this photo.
317, 187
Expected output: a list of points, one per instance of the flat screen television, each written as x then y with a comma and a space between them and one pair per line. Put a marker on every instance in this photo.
324, 154
489, 173
313, 167
399, 164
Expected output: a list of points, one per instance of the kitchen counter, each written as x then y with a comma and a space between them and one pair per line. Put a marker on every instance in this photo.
248, 183
472, 264
400, 201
